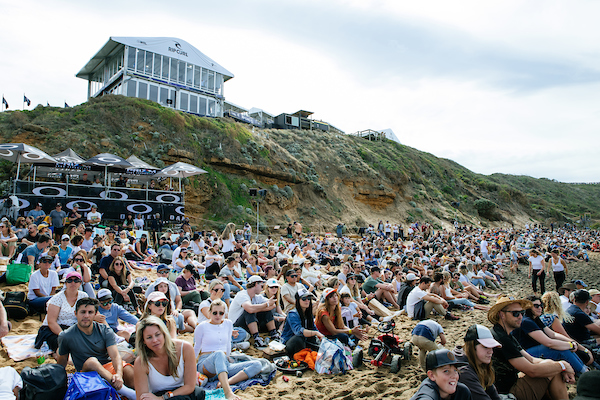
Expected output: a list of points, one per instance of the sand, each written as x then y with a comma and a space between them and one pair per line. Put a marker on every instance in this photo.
366, 381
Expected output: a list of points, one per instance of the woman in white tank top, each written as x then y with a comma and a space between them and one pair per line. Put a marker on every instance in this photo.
165, 367
559, 268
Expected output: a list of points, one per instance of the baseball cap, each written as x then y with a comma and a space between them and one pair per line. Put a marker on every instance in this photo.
580, 282
327, 292
162, 279
290, 272
162, 267
75, 274
439, 358
303, 293
255, 278
411, 277
65, 236
39, 204
104, 294
45, 259
272, 282
155, 296
483, 335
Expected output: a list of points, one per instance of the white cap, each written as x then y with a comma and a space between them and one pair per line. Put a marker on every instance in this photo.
102, 293
65, 236
272, 282
411, 277
255, 278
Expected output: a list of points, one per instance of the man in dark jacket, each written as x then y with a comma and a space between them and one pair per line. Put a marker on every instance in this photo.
442, 378
405, 288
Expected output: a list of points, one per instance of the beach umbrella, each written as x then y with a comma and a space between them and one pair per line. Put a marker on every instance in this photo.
108, 160
139, 164
23, 153
180, 170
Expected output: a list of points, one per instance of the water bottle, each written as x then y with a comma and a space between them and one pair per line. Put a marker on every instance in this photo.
41, 354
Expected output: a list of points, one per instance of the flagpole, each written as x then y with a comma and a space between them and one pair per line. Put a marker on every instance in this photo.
23, 101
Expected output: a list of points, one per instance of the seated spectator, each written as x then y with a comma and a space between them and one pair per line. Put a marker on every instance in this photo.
478, 375
8, 239
273, 291
37, 214
158, 305
329, 319
186, 319
65, 250
60, 312
430, 301
105, 263
424, 335
142, 248
405, 288
228, 273
252, 267
32, 235
94, 217
290, 288
10, 383
190, 293
299, 331
80, 264
540, 376
111, 313
42, 285
442, 378
31, 254
121, 283
128, 222
166, 369
253, 312
581, 327
383, 291
565, 294
5, 325
88, 241
92, 347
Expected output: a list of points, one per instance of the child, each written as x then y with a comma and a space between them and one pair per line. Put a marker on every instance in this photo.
56, 264
424, 335
442, 378
350, 312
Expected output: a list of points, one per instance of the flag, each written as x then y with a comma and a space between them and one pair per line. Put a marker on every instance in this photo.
5, 102
66, 105
47, 104
26, 100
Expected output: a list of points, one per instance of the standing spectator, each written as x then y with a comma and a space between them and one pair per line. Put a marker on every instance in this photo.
94, 217
559, 268
247, 232
537, 270
37, 214
424, 335
74, 216
138, 222
42, 284
58, 218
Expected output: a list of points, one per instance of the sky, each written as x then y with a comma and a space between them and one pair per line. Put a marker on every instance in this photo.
497, 86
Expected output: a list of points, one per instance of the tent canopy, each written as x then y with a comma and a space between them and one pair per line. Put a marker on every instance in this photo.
108, 160
69, 156
24, 153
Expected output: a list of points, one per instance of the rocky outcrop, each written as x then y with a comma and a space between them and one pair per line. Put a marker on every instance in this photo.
376, 197
259, 171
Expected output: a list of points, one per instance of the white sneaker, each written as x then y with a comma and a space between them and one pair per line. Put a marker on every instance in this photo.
242, 346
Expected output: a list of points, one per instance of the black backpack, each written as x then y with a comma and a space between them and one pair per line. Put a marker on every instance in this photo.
16, 305
46, 382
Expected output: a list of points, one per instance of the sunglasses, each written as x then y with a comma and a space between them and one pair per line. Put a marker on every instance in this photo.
293, 276
71, 280
160, 303
79, 259
218, 312
165, 271
537, 305
65, 240
218, 290
107, 302
121, 264
305, 298
516, 314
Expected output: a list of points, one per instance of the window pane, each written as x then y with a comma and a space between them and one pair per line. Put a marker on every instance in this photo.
211, 108
164, 95
165, 68
131, 58
204, 78
142, 90
193, 103
173, 70
131, 87
149, 62
189, 75
140, 61
218, 82
181, 72
153, 93
211, 80
183, 103
196, 77
202, 108
157, 64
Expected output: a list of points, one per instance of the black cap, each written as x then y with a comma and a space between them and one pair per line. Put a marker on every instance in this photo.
162, 266
290, 272
439, 358
46, 259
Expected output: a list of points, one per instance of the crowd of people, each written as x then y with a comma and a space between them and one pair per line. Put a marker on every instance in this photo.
233, 293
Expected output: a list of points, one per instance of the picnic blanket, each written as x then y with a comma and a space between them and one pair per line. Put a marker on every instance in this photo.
263, 378
216, 394
20, 347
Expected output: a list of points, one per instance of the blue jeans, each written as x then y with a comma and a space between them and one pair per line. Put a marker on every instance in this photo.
464, 302
217, 362
242, 337
542, 351
39, 304
478, 282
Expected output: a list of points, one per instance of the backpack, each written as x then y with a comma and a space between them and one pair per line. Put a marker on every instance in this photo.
46, 382
333, 358
17, 273
16, 305
90, 386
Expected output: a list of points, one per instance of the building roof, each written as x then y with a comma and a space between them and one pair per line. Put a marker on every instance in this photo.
166, 46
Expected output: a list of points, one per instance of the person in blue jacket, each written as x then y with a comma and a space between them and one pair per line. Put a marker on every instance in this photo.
112, 312
299, 331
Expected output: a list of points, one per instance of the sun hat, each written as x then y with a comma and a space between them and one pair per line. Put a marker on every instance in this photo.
104, 294
594, 292
303, 292
75, 274
327, 292
568, 286
588, 386
439, 358
273, 283
411, 277
504, 301
483, 335
155, 296
255, 278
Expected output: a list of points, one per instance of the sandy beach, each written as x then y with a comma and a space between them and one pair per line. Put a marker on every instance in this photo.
366, 381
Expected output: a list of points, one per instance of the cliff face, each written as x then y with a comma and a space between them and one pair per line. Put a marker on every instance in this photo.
314, 177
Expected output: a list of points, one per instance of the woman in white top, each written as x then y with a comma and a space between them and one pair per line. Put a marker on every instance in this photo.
164, 368
559, 268
537, 270
212, 341
8, 239
228, 240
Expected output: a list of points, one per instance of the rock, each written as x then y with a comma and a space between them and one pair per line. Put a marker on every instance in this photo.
36, 128
181, 153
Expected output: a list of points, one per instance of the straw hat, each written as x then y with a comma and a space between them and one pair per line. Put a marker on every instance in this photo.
504, 301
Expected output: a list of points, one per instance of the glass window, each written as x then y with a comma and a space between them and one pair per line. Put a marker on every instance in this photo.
142, 90
211, 108
202, 108
193, 103
157, 64
189, 75
173, 70
196, 76
165, 68
140, 61
183, 102
211, 80
204, 78
164, 95
131, 58
149, 62
131, 88
218, 83
153, 93
181, 69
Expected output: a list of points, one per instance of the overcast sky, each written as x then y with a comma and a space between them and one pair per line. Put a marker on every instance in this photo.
497, 86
